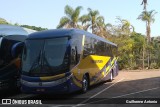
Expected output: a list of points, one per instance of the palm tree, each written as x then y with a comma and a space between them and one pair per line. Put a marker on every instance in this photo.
84, 20
126, 26
148, 17
92, 19
71, 19
100, 29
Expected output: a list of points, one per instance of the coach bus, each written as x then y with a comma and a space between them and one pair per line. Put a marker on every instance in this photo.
66, 60
11, 40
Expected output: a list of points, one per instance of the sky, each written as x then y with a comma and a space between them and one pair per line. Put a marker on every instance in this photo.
47, 13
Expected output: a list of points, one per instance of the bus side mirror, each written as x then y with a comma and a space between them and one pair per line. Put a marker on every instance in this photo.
74, 55
85, 54
17, 49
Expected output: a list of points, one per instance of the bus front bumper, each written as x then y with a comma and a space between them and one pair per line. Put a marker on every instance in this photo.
62, 88
64, 85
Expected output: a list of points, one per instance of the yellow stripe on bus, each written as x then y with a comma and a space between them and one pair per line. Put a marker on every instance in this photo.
76, 82
52, 77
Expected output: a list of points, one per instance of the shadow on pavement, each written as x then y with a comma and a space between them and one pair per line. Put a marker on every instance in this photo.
119, 89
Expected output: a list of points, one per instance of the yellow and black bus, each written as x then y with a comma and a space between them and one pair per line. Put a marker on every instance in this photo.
66, 60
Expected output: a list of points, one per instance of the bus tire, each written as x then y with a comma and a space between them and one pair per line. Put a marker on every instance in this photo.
111, 76
85, 83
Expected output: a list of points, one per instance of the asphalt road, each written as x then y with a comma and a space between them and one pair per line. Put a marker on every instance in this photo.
126, 87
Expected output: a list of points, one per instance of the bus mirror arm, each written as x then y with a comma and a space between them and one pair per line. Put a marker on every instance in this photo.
17, 49
76, 56
84, 55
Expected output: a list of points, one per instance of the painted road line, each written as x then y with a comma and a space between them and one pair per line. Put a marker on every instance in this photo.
125, 95
82, 103
61, 105
136, 92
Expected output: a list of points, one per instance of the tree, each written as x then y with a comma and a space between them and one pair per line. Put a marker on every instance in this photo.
155, 50
93, 20
101, 28
139, 48
71, 19
3, 21
125, 51
33, 27
126, 26
148, 17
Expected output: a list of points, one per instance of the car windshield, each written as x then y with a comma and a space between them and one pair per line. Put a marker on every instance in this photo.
44, 57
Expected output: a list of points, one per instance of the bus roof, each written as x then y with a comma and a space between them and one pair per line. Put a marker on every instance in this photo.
14, 32
64, 32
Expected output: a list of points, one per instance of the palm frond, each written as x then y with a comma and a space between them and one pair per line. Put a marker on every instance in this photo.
100, 18
147, 16
76, 13
63, 21
84, 19
89, 10
93, 12
68, 11
108, 25
100, 21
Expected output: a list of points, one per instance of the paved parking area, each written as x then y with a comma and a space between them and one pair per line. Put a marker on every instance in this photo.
127, 85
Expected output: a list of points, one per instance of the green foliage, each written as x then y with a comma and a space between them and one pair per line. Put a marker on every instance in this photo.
148, 17
71, 19
125, 50
133, 48
154, 66
33, 27
94, 21
3, 21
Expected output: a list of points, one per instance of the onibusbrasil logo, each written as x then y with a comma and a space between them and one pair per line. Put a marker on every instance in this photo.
14, 101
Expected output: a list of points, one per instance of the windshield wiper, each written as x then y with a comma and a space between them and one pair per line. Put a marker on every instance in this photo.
36, 62
48, 65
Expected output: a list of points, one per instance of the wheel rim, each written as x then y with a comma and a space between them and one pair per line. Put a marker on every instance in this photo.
111, 76
85, 84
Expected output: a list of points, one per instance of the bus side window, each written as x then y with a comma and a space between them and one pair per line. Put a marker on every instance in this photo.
98, 47
74, 55
75, 51
87, 47
107, 50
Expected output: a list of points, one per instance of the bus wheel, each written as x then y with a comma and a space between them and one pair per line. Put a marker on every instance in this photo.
84, 84
111, 76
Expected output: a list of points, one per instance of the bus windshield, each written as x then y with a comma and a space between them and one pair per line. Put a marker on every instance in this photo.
1, 61
45, 57
5, 51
